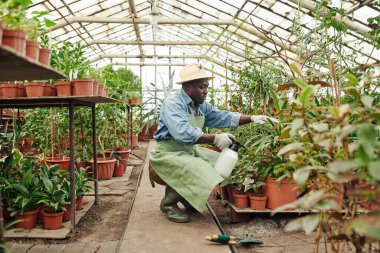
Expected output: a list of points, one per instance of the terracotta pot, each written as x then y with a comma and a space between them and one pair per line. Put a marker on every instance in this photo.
241, 200
153, 130
64, 162
52, 221
79, 165
53, 90
279, 195
15, 39
1, 91
47, 90
9, 90
124, 154
124, 163
95, 88
28, 219
258, 202
27, 141
34, 89
106, 166
154, 176
134, 101
40, 216
67, 213
64, 88
79, 203
134, 141
119, 170
44, 57
101, 91
32, 50
83, 86
21, 91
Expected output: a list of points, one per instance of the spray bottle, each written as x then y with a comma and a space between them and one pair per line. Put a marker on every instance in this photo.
227, 159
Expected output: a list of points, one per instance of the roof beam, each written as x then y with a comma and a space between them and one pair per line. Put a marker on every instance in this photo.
132, 7
145, 21
169, 64
362, 29
137, 56
157, 43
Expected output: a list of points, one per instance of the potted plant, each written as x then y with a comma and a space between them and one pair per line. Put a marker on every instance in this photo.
134, 97
53, 197
136, 129
12, 13
23, 191
82, 186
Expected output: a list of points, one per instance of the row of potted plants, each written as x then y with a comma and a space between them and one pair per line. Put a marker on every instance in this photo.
22, 32
29, 187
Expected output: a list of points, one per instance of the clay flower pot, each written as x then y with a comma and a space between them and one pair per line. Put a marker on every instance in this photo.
28, 219
34, 89
101, 91
64, 162
52, 221
134, 141
79, 165
67, 213
21, 91
258, 202
32, 50
64, 88
79, 203
106, 166
279, 195
47, 90
241, 200
119, 170
134, 101
95, 88
83, 86
44, 56
15, 39
9, 90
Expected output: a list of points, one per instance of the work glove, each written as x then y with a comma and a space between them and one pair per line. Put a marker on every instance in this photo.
223, 141
261, 119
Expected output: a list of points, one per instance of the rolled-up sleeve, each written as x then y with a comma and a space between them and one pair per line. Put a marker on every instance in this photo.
174, 112
220, 119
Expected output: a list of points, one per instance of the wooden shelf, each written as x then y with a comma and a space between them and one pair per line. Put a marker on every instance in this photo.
26, 102
15, 67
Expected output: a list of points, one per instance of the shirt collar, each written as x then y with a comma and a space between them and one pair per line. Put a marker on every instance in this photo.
186, 97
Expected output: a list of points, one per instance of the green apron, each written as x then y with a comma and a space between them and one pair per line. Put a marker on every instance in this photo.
186, 168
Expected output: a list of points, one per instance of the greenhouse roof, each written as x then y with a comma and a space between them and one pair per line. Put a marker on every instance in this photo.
215, 32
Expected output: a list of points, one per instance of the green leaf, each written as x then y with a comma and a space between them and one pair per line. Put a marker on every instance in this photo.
301, 176
310, 223
296, 124
320, 127
343, 166
295, 69
290, 147
368, 224
305, 95
49, 23
327, 204
367, 100
352, 80
301, 84
374, 170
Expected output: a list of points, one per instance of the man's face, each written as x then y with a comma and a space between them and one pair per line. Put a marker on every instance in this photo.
198, 90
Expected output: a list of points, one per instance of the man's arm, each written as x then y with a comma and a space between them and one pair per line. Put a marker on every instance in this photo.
245, 119
206, 139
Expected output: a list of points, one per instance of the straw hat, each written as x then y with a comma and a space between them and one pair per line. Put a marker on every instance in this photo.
192, 72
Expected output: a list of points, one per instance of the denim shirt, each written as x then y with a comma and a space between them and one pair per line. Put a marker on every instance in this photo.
173, 121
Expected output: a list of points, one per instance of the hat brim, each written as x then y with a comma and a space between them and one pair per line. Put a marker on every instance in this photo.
196, 78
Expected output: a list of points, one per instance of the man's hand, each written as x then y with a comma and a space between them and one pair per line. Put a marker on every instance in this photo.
261, 119
222, 141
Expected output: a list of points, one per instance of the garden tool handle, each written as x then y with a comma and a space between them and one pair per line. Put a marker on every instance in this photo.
223, 239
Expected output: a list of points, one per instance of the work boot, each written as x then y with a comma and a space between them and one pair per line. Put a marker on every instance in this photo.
169, 206
188, 206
